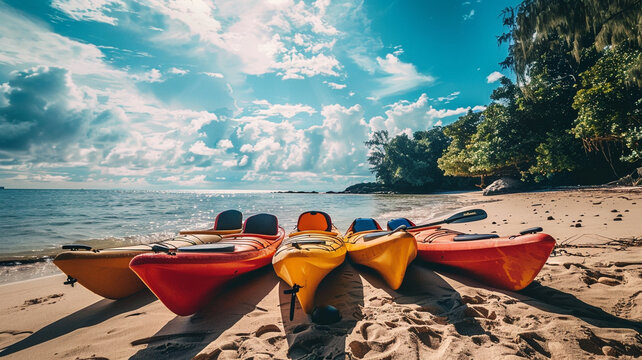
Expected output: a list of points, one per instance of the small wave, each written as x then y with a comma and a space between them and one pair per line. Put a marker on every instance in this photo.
43, 255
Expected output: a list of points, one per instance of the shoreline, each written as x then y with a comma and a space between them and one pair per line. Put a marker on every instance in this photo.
585, 303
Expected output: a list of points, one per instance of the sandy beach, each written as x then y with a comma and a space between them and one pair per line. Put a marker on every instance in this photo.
585, 303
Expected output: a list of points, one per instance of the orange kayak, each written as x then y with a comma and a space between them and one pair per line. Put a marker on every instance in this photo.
508, 262
187, 279
106, 271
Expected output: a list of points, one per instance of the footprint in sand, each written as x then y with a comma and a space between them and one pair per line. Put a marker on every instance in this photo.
535, 343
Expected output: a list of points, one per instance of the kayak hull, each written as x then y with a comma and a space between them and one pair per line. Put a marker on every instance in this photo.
510, 263
185, 282
389, 254
307, 264
107, 273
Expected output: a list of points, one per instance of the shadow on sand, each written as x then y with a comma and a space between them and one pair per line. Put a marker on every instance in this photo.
426, 289
185, 336
551, 300
343, 289
89, 316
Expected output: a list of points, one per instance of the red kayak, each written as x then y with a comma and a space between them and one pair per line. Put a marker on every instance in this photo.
189, 278
509, 262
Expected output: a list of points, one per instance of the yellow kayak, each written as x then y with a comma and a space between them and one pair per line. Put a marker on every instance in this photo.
312, 251
389, 254
106, 272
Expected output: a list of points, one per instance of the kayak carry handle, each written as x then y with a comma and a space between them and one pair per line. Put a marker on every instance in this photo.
532, 230
293, 291
70, 281
161, 248
74, 247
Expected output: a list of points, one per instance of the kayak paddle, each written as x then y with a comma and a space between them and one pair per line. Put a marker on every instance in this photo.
460, 217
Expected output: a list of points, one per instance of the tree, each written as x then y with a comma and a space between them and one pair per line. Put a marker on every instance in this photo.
377, 156
404, 163
581, 24
456, 160
608, 106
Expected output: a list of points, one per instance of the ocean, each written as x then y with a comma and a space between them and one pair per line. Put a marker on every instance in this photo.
36, 223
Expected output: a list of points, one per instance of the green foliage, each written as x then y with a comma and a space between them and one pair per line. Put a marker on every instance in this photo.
580, 24
456, 160
405, 163
575, 61
607, 105
560, 152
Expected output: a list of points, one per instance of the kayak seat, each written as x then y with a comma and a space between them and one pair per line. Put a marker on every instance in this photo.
396, 223
364, 224
314, 220
471, 237
264, 224
229, 220
207, 248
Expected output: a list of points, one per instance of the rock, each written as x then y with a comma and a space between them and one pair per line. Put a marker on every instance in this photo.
619, 215
608, 281
366, 188
613, 210
617, 219
503, 186
578, 225
550, 218
609, 351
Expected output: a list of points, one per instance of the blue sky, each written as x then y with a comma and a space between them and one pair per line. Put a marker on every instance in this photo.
232, 94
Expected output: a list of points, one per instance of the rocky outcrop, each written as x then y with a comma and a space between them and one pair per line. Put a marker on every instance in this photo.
367, 188
503, 186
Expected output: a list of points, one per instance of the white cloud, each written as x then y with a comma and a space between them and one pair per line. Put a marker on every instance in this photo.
296, 65
213, 74
469, 16
258, 33
151, 76
400, 77
285, 110
335, 85
224, 144
118, 134
407, 117
178, 71
185, 181
243, 161
494, 76
90, 10
452, 96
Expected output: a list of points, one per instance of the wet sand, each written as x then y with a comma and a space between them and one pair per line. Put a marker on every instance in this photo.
585, 303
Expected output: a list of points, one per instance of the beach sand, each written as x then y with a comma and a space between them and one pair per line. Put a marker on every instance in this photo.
585, 303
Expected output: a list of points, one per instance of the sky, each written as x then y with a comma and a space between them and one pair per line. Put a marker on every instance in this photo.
201, 94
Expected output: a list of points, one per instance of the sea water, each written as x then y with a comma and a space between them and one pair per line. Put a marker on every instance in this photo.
34, 224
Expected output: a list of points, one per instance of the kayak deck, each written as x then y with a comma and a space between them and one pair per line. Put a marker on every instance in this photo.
510, 262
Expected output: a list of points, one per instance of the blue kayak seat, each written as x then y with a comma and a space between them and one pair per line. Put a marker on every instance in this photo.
364, 224
396, 223
264, 224
229, 220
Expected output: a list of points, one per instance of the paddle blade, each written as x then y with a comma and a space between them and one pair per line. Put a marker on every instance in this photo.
467, 216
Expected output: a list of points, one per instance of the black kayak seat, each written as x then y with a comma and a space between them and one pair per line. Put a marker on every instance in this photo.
229, 220
264, 224
207, 248
396, 223
471, 237
532, 230
74, 247
364, 224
